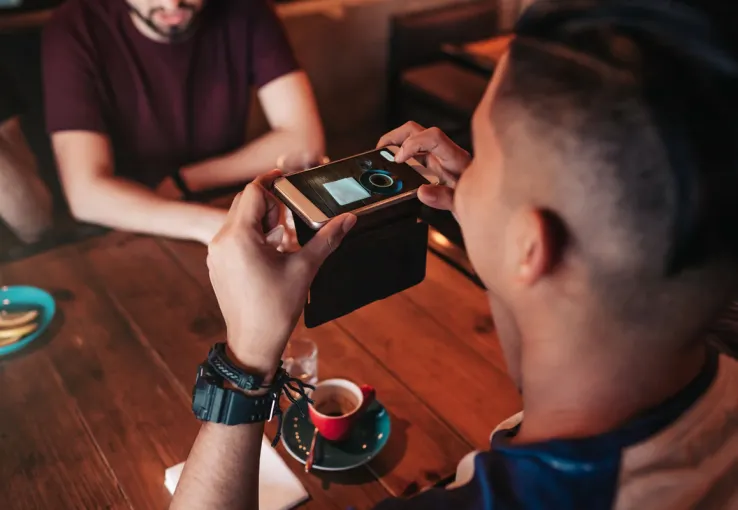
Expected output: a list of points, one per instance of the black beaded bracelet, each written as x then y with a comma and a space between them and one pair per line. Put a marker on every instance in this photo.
223, 366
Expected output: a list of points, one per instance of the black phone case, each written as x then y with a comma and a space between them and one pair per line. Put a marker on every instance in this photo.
383, 254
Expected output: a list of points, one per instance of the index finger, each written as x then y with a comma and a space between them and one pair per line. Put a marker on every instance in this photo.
399, 135
433, 141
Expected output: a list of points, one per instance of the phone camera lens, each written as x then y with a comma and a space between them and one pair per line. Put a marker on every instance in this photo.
381, 180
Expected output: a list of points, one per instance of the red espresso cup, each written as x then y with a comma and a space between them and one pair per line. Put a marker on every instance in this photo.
337, 406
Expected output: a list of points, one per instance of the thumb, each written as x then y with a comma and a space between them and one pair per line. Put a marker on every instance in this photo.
326, 240
437, 197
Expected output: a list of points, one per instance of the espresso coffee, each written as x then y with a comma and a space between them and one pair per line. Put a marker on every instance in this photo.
336, 404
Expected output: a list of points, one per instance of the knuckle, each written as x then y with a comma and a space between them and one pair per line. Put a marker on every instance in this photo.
213, 253
330, 244
435, 132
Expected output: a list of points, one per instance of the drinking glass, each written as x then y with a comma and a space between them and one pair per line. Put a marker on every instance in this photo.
301, 359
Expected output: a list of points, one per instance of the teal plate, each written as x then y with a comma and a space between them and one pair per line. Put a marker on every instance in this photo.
23, 297
367, 439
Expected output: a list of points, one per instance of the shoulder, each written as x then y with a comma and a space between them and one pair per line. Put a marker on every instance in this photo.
547, 475
78, 19
78, 30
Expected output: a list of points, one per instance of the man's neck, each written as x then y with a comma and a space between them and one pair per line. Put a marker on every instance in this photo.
598, 392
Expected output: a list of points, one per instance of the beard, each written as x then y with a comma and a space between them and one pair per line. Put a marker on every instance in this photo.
170, 33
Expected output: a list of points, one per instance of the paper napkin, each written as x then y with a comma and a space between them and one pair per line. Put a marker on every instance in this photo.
279, 488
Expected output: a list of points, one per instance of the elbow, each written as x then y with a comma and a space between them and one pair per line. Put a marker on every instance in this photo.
81, 207
80, 212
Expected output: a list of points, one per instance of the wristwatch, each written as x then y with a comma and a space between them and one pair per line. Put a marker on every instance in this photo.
212, 402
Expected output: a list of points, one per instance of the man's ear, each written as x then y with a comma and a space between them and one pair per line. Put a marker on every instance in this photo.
541, 244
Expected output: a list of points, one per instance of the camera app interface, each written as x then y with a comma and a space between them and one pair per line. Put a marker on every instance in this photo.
356, 182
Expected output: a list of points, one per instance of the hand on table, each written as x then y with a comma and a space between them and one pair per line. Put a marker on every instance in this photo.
432, 148
261, 290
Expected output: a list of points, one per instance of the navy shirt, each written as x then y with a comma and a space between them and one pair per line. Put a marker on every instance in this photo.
681, 454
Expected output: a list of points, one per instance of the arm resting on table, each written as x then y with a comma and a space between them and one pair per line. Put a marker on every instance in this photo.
96, 195
296, 135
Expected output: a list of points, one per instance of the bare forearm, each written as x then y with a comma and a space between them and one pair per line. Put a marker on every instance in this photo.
256, 158
25, 202
222, 470
126, 205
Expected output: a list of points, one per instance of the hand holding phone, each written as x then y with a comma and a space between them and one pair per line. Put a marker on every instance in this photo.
360, 184
261, 292
439, 154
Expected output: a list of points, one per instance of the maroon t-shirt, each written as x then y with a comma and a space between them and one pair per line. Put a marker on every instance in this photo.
163, 105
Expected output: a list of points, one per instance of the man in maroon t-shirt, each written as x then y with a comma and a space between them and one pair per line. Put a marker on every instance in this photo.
145, 92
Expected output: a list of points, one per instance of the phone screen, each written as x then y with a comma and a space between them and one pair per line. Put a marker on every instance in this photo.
352, 183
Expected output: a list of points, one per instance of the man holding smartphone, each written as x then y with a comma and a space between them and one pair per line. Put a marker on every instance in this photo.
145, 94
599, 211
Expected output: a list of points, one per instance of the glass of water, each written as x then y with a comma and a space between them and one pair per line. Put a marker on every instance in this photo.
301, 359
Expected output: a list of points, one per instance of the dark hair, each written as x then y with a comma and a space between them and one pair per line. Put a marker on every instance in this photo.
658, 63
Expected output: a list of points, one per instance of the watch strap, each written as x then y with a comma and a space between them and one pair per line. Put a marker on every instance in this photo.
231, 407
215, 403
212, 402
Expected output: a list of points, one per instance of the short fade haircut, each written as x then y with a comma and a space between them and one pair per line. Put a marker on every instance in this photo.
640, 101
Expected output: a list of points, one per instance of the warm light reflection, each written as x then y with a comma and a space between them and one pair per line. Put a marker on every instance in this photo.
440, 239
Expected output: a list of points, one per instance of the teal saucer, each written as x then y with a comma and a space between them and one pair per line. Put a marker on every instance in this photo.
23, 297
367, 439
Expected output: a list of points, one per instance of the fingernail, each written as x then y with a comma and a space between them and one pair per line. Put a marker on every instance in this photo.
348, 223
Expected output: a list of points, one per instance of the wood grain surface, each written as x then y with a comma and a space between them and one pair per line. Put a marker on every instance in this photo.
107, 410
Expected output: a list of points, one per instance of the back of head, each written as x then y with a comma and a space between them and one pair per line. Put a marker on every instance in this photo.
624, 116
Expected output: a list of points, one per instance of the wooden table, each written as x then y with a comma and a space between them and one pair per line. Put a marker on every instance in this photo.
483, 56
92, 415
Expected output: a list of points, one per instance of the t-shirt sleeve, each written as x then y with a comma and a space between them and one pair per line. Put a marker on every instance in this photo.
271, 52
11, 102
71, 96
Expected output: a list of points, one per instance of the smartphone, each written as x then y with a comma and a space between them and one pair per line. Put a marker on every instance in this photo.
358, 184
